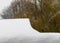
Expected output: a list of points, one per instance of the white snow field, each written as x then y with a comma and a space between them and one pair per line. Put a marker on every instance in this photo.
20, 31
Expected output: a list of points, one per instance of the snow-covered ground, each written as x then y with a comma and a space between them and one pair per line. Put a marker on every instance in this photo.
20, 31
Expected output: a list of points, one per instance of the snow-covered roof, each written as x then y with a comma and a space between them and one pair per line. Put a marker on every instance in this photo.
20, 31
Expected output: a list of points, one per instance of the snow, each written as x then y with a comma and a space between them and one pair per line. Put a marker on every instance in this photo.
21, 30
13, 27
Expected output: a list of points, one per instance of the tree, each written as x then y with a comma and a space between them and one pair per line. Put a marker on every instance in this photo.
50, 11
8, 13
43, 14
